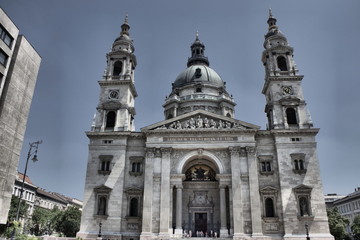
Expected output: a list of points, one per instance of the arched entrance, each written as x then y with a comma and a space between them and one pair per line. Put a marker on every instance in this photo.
200, 197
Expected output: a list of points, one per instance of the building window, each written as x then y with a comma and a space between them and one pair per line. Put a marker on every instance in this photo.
265, 164
303, 196
105, 164
117, 68
110, 119
102, 194
107, 141
269, 196
295, 139
198, 90
281, 62
134, 207
3, 58
298, 162
136, 165
269, 207
291, 116
5, 36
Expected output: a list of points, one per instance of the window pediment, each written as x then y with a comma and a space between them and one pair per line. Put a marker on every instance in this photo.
102, 189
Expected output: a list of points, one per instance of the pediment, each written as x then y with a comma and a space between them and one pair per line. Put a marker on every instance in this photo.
102, 189
200, 120
269, 190
302, 189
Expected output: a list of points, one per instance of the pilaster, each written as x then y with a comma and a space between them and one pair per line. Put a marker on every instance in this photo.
236, 191
148, 194
254, 193
165, 194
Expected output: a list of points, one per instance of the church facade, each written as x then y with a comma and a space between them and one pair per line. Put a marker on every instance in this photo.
201, 172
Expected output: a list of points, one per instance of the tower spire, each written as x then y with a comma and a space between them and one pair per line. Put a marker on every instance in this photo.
125, 26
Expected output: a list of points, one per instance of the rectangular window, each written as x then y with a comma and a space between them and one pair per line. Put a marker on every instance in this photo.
295, 139
136, 165
3, 58
105, 164
265, 164
107, 141
5, 36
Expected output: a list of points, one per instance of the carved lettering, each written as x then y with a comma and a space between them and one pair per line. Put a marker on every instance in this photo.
198, 139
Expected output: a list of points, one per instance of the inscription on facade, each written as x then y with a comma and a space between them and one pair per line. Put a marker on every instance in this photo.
198, 139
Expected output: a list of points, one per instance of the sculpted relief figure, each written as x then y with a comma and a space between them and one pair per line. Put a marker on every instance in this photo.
192, 123
206, 123
199, 122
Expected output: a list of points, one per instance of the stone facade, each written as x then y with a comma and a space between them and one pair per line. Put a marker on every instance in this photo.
19, 66
200, 172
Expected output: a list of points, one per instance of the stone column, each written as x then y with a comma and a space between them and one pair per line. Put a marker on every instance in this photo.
236, 191
165, 194
223, 229
254, 192
148, 194
178, 229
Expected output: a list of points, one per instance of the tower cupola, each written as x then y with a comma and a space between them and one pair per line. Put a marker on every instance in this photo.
197, 53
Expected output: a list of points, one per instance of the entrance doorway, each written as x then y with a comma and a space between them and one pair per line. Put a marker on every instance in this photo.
201, 222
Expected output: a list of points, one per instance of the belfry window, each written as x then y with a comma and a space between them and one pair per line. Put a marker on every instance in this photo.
281, 62
269, 208
198, 90
110, 119
117, 68
291, 116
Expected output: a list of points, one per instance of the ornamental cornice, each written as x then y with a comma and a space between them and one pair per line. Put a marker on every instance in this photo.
268, 79
295, 132
120, 82
115, 134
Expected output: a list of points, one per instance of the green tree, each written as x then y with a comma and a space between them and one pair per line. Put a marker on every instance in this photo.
355, 227
69, 222
13, 209
337, 224
44, 220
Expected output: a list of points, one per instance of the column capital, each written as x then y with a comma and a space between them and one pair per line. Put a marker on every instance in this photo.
250, 150
150, 152
234, 150
179, 186
166, 151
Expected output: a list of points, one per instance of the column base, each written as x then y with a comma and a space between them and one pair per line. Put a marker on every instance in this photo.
163, 235
224, 232
178, 232
146, 236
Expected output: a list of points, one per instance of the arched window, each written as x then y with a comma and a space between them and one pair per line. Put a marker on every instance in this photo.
117, 68
281, 62
304, 206
110, 119
102, 204
170, 116
228, 115
198, 89
134, 205
269, 208
291, 116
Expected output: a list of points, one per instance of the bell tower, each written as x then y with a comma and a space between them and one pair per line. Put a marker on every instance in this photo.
116, 108
285, 103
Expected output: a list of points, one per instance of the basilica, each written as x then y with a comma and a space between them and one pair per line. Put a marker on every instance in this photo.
200, 172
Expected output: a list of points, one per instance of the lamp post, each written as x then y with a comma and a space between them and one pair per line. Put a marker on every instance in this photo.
99, 230
34, 145
307, 232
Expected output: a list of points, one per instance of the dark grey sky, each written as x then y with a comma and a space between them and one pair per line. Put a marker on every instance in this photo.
73, 38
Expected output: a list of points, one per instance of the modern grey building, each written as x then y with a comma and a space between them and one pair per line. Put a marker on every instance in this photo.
19, 66
201, 172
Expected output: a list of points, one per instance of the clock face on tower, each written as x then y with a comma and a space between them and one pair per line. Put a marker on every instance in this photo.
287, 90
114, 94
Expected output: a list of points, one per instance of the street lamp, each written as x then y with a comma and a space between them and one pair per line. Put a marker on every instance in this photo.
307, 232
34, 145
99, 235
